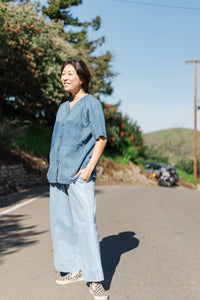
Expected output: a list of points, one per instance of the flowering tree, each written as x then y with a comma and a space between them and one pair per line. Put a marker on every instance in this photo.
32, 51
30, 62
124, 136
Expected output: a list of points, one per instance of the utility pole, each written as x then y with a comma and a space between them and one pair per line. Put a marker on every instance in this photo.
195, 61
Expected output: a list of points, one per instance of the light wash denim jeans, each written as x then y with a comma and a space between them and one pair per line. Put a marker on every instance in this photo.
74, 230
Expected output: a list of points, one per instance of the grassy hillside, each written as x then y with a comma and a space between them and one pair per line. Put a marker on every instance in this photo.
174, 143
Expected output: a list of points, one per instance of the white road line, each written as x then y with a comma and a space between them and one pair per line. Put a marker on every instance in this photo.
6, 211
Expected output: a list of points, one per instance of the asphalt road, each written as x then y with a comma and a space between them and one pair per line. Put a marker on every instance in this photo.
150, 241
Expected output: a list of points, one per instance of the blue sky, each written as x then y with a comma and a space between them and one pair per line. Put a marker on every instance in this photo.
150, 45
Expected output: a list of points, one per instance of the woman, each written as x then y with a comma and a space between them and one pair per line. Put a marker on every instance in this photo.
78, 140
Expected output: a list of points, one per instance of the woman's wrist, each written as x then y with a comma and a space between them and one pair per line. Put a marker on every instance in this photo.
89, 169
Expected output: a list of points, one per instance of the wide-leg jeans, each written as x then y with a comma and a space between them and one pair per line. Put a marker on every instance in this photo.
74, 229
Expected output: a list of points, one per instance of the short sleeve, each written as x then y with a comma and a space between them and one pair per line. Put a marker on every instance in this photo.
97, 120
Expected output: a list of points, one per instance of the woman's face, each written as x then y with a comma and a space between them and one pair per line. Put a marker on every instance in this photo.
70, 79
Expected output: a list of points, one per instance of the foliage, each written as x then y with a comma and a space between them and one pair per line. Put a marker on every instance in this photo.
152, 154
36, 140
187, 165
174, 143
3, 11
99, 64
31, 58
30, 63
10, 130
60, 10
187, 177
36, 137
32, 51
124, 136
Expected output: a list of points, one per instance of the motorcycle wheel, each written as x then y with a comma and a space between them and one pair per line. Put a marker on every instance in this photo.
164, 183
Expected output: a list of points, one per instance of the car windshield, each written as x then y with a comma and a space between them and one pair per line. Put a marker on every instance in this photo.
157, 167
153, 166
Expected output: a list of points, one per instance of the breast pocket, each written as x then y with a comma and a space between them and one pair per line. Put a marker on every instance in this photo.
72, 134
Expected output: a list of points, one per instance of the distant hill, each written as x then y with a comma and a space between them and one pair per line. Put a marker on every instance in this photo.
174, 143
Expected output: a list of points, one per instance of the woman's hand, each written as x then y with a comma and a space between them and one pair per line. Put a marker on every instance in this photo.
98, 150
84, 174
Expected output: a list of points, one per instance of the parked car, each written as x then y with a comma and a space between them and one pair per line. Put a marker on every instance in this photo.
153, 168
166, 175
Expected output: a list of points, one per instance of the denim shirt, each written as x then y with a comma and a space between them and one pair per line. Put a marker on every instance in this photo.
74, 136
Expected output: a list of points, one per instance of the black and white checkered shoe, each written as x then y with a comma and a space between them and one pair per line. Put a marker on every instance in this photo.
70, 278
98, 292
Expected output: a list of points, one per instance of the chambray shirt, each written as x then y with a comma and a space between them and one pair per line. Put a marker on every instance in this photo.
74, 136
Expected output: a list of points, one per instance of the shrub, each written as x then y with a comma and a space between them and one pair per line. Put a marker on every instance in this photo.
131, 153
124, 136
188, 165
154, 155
9, 131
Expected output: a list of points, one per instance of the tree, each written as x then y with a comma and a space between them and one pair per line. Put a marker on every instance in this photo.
3, 34
100, 67
30, 62
60, 10
32, 51
124, 136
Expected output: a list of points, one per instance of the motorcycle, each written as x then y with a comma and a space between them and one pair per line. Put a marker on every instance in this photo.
166, 178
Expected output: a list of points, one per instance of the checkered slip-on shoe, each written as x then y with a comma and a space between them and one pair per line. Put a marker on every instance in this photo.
98, 291
70, 278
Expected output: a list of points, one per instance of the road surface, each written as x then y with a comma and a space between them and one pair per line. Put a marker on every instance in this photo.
150, 243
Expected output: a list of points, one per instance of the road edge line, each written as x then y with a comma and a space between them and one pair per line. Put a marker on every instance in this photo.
8, 210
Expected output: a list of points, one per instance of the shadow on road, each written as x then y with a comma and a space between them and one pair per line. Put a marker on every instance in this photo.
112, 247
14, 236
7, 200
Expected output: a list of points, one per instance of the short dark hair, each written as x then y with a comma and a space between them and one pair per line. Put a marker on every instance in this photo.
82, 71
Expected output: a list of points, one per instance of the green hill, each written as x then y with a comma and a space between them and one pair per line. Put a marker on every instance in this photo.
174, 143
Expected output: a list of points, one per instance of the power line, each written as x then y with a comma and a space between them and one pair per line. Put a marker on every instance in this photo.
177, 122
158, 5
188, 118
